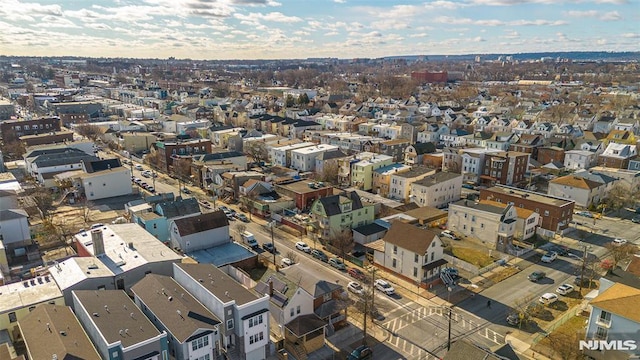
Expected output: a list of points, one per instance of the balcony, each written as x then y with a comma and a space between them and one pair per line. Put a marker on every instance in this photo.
606, 323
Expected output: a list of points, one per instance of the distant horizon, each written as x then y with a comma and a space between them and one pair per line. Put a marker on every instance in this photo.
299, 29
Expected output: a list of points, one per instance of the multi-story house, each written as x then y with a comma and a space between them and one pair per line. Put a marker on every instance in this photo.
555, 213
201, 231
493, 225
99, 179
327, 163
117, 328
203, 167
14, 229
362, 170
472, 163
244, 331
614, 317
551, 154
280, 155
304, 159
501, 141
413, 154
394, 148
528, 143
505, 168
168, 151
194, 331
617, 155
400, 183
455, 138
382, 177
432, 133
585, 192
337, 213
53, 332
605, 123
44, 164
13, 129
412, 253
436, 190
580, 159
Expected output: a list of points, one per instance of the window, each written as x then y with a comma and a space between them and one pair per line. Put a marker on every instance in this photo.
395, 249
432, 255
393, 263
199, 343
601, 333
415, 272
229, 324
604, 318
297, 312
292, 312
415, 257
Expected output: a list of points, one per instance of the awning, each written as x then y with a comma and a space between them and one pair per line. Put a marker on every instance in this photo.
435, 264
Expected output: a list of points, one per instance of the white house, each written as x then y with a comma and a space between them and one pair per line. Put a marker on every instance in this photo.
410, 252
304, 159
579, 159
281, 155
494, 225
201, 231
472, 163
244, 314
107, 183
400, 183
437, 190
14, 228
584, 191
614, 316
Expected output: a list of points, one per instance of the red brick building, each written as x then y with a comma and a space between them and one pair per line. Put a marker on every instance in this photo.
14, 129
556, 213
550, 154
173, 149
304, 192
506, 168
429, 77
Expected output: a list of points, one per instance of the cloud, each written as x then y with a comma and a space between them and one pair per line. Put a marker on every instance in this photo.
611, 16
340, 1
254, 18
631, 35
580, 14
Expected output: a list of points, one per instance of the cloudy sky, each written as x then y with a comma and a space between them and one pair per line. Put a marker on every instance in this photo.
269, 29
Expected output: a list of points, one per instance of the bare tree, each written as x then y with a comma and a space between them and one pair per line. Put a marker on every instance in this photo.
620, 253
564, 345
182, 168
524, 310
89, 130
342, 240
257, 150
329, 172
86, 211
240, 228
44, 201
292, 256
617, 198
153, 159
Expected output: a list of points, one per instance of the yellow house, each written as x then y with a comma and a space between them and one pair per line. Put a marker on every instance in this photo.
18, 299
382, 177
362, 171
625, 137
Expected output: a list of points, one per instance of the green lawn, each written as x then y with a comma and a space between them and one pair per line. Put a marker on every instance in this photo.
472, 256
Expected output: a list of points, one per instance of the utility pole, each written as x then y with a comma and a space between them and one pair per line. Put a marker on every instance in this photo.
366, 303
449, 331
271, 224
584, 264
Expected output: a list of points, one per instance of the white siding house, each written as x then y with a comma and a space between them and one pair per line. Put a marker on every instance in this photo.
437, 190
200, 231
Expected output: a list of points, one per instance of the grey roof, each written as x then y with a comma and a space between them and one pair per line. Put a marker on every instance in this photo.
329, 308
595, 176
101, 165
437, 178
416, 171
218, 156
180, 207
332, 154
218, 283
39, 152
71, 156
424, 148
174, 306
305, 324
11, 214
202, 222
463, 349
331, 204
111, 311
480, 206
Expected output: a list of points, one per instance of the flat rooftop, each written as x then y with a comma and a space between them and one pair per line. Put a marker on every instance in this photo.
27, 293
315, 149
530, 195
300, 187
222, 255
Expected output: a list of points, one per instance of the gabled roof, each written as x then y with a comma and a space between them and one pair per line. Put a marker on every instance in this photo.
424, 148
174, 306
331, 204
576, 182
409, 237
180, 207
202, 222
331, 154
101, 165
218, 156
11, 214
621, 300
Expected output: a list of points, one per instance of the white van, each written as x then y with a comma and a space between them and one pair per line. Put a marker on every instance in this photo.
249, 239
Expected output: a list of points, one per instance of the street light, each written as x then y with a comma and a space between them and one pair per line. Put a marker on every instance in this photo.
366, 302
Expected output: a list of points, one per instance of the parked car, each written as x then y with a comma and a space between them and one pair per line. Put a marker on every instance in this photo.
449, 234
585, 214
636, 219
286, 262
549, 257
536, 276
337, 263
205, 204
513, 319
565, 289
384, 286
186, 191
355, 287
362, 352
468, 186
585, 282
560, 250
151, 189
548, 298
619, 242
356, 273
138, 167
302, 246
318, 254
242, 217
269, 247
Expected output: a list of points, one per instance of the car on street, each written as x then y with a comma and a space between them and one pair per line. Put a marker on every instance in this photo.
362, 352
549, 257
585, 214
186, 191
138, 167
230, 217
337, 263
205, 204
242, 217
449, 234
286, 262
636, 219
151, 189
585, 282
269, 247
302, 246
619, 242
223, 208
137, 180
355, 287
536, 276
565, 289
356, 273
384, 286
513, 319
560, 250
318, 254
548, 298
146, 174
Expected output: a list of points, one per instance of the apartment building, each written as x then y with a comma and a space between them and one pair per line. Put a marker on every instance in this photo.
400, 183
506, 168
436, 190
362, 170
493, 225
304, 159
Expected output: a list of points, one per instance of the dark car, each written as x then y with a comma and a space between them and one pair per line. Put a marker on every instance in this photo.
319, 255
269, 247
356, 273
362, 352
186, 191
560, 250
584, 282
242, 217
536, 276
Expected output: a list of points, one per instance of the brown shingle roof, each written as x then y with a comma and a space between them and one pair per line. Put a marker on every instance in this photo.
621, 300
409, 237
174, 306
54, 329
203, 222
576, 182
634, 266
219, 283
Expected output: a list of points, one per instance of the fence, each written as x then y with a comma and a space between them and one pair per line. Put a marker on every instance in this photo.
563, 319
461, 264
494, 265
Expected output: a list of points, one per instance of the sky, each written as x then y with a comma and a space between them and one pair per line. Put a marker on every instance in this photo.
299, 29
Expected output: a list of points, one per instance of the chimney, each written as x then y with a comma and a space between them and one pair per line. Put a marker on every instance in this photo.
270, 288
98, 242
